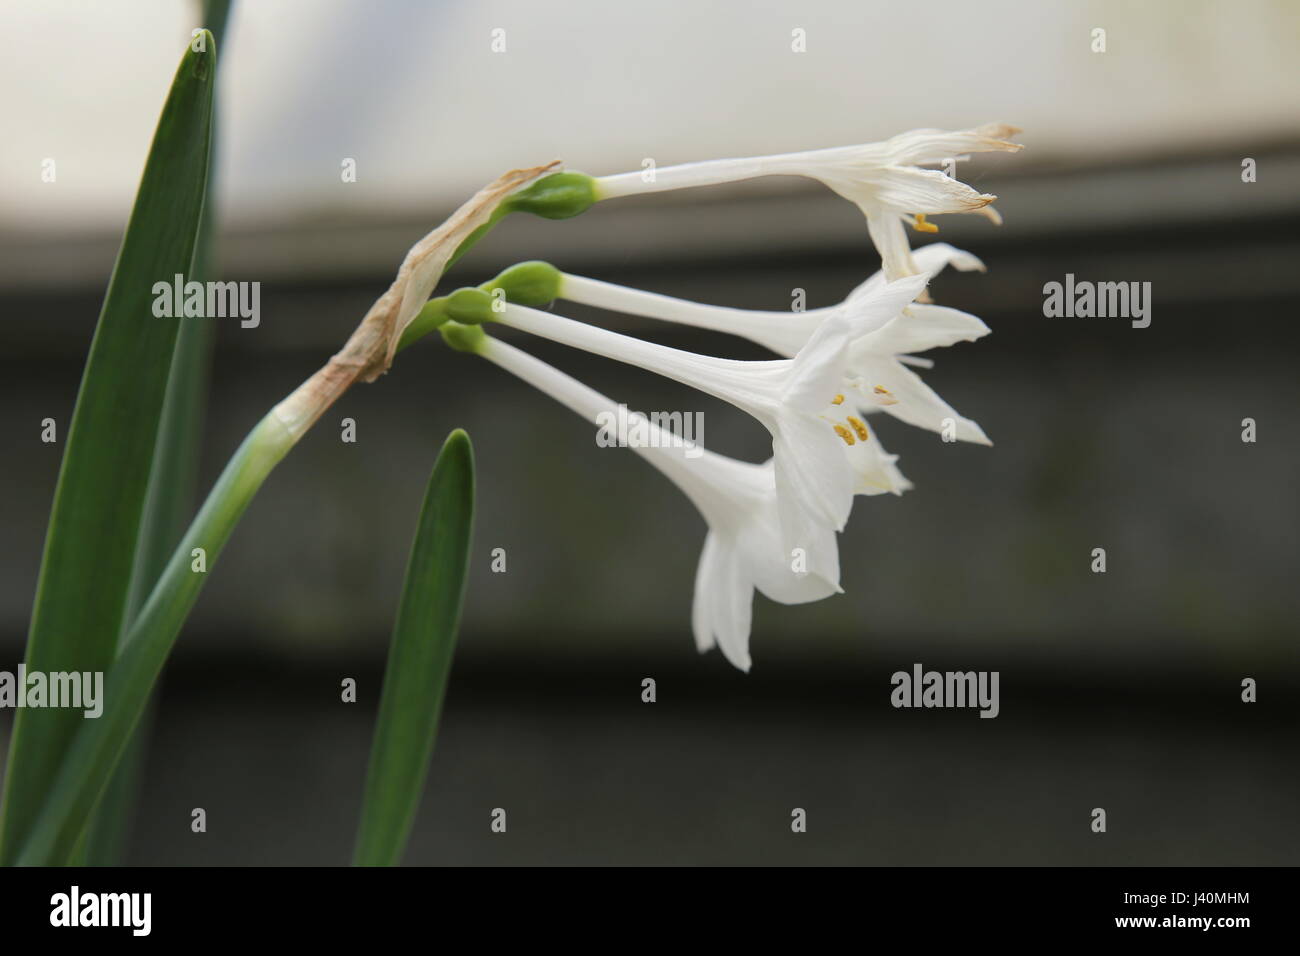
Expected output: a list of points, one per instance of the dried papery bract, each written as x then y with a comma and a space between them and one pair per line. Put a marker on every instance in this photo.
369, 352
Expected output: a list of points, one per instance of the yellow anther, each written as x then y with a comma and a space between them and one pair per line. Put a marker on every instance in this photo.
844, 433
837, 400
881, 390
859, 427
920, 224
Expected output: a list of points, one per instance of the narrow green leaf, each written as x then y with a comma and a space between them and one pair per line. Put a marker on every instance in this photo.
169, 504
99, 744
419, 657
90, 549
172, 483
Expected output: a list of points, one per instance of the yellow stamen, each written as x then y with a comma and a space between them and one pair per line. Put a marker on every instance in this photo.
837, 400
844, 433
859, 427
881, 390
920, 224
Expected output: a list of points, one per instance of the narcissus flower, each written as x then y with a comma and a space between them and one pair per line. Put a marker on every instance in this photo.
877, 358
743, 550
801, 400
882, 355
883, 179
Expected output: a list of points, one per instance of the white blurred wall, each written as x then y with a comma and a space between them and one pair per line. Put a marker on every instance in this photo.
413, 92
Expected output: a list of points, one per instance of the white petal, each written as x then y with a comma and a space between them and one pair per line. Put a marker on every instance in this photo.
724, 600
816, 371
874, 308
920, 328
873, 469
705, 588
886, 230
908, 190
934, 256
772, 566
920, 405
936, 145
929, 260
811, 479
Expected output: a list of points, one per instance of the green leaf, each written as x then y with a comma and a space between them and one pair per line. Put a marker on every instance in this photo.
99, 744
168, 506
99, 504
170, 501
419, 658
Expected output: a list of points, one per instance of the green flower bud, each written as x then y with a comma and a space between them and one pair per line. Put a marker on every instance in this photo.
557, 196
534, 284
470, 306
463, 338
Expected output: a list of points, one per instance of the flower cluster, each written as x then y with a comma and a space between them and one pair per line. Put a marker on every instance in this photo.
771, 527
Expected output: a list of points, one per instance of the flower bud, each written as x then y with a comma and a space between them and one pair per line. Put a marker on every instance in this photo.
470, 306
463, 338
535, 284
557, 196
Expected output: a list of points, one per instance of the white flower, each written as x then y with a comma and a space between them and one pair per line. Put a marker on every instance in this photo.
881, 356
882, 179
796, 399
743, 550
874, 470
877, 358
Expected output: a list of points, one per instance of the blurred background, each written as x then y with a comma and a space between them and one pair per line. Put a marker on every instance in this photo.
1118, 690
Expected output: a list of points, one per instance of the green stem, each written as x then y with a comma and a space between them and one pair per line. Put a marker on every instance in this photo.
99, 745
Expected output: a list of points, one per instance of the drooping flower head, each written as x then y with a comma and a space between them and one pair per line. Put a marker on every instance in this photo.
876, 373
799, 400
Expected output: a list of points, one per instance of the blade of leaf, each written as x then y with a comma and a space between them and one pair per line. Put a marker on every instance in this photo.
98, 745
172, 485
83, 590
419, 657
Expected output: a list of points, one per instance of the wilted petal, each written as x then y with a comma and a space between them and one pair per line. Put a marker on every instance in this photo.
908, 190
936, 145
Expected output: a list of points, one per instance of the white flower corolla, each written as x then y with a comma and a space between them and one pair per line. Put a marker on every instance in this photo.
883, 179
882, 357
877, 358
874, 469
798, 399
743, 551
883, 354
